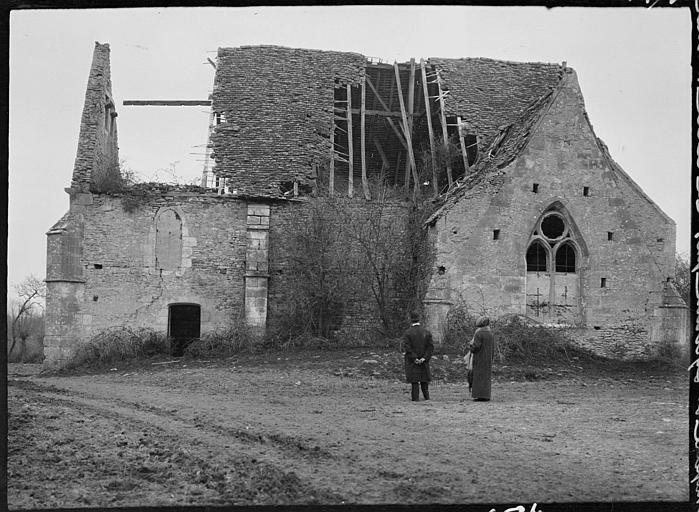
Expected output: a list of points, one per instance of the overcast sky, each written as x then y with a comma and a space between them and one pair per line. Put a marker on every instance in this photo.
633, 66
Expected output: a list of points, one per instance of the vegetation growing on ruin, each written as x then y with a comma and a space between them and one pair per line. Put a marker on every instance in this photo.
118, 344
344, 249
518, 338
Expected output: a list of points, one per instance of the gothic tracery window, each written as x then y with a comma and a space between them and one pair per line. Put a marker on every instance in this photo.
551, 242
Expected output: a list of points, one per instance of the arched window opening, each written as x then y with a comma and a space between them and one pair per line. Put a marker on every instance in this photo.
168, 241
565, 259
553, 226
536, 257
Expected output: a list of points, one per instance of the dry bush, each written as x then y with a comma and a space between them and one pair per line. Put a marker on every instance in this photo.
517, 338
521, 339
118, 344
224, 342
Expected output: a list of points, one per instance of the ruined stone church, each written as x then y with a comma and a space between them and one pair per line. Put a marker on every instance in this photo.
531, 216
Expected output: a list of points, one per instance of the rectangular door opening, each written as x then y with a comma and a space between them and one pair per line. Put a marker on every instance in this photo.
184, 325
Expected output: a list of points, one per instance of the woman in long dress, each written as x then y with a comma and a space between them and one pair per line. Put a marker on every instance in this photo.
482, 348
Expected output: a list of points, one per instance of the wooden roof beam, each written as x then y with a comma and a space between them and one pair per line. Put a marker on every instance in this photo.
167, 103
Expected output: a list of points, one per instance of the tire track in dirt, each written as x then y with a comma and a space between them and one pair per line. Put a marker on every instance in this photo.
283, 452
555, 439
99, 457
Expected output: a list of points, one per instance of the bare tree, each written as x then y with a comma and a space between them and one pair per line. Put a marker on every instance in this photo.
316, 255
31, 292
383, 237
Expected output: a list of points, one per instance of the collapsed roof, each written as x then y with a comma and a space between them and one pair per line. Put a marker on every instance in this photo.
289, 116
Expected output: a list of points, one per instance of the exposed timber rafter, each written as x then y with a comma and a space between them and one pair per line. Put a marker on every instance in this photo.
362, 144
428, 115
408, 137
445, 135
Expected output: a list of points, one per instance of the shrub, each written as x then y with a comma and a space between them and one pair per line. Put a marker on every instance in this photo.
118, 344
460, 326
517, 338
225, 342
521, 339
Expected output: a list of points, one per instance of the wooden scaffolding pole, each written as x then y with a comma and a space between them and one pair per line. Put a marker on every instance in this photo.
408, 137
428, 114
365, 183
382, 153
411, 103
331, 177
445, 135
395, 174
350, 149
464, 155
385, 107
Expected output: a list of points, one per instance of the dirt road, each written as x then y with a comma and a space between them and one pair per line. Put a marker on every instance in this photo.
312, 431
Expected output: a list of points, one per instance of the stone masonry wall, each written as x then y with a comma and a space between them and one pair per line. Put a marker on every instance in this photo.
222, 260
562, 157
276, 107
124, 287
97, 159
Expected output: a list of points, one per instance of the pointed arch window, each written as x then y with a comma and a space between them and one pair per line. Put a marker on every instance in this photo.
537, 256
565, 259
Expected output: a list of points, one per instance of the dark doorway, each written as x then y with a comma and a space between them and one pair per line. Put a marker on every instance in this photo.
184, 325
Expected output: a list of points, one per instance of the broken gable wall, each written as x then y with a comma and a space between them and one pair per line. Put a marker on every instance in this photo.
97, 158
277, 104
489, 94
562, 156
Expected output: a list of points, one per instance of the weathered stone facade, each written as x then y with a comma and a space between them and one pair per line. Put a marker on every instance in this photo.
623, 244
543, 224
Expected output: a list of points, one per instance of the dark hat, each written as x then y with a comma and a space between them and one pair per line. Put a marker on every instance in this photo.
482, 321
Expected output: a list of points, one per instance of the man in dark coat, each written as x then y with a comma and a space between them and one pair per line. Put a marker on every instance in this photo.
417, 343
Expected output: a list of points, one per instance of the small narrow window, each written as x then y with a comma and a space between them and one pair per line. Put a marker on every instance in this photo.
603, 282
98, 266
660, 240
496, 234
586, 191
535, 188
95, 298
610, 235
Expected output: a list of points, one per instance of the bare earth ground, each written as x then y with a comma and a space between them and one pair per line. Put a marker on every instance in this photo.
334, 427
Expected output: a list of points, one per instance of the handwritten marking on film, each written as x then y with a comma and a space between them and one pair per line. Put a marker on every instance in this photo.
520, 508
